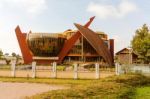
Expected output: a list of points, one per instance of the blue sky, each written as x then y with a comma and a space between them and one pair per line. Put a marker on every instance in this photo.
118, 18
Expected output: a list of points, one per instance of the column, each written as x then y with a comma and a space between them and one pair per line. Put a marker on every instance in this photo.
33, 69
76, 71
69, 59
54, 70
117, 69
13, 68
97, 76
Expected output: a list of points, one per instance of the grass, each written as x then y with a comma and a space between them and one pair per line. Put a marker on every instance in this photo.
116, 87
61, 68
142, 92
122, 87
5, 67
45, 80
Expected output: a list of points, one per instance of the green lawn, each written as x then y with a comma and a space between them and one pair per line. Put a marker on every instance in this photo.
116, 87
142, 93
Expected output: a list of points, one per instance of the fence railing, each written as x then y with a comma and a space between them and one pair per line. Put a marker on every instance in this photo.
75, 71
134, 68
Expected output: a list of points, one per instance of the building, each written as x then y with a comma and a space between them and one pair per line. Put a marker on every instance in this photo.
126, 56
66, 47
82, 51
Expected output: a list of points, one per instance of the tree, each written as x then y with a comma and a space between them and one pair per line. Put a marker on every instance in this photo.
7, 61
6, 54
17, 58
141, 44
14, 54
1, 54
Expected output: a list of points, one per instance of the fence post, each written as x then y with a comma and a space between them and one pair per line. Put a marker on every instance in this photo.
76, 71
97, 76
33, 69
117, 69
54, 70
149, 69
13, 68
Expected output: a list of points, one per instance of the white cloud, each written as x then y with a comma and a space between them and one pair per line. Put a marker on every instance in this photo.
17, 12
28, 6
104, 11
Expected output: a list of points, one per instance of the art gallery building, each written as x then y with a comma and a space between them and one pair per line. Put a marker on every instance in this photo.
65, 47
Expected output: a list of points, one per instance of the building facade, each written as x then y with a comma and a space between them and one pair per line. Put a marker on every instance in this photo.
82, 51
66, 47
126, 56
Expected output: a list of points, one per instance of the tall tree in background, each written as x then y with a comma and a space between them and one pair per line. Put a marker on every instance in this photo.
141, 44
1, 54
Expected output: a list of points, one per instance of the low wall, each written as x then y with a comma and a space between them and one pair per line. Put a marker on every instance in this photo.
32, 71
134, 68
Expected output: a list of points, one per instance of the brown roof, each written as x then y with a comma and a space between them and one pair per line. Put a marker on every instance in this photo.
95, 40
123, 50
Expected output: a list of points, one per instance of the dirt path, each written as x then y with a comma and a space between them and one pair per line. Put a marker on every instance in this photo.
10, 90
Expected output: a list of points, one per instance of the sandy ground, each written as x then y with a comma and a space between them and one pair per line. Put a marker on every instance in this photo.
10, 90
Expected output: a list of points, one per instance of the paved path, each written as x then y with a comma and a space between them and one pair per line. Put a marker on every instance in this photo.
10, 90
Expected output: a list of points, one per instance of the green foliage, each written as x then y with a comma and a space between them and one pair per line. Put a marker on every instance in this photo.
61, 68
142, 93
141, 44
1, 54
14, 54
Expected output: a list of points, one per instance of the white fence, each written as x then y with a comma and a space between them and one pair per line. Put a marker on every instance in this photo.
134, 68
53, 70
